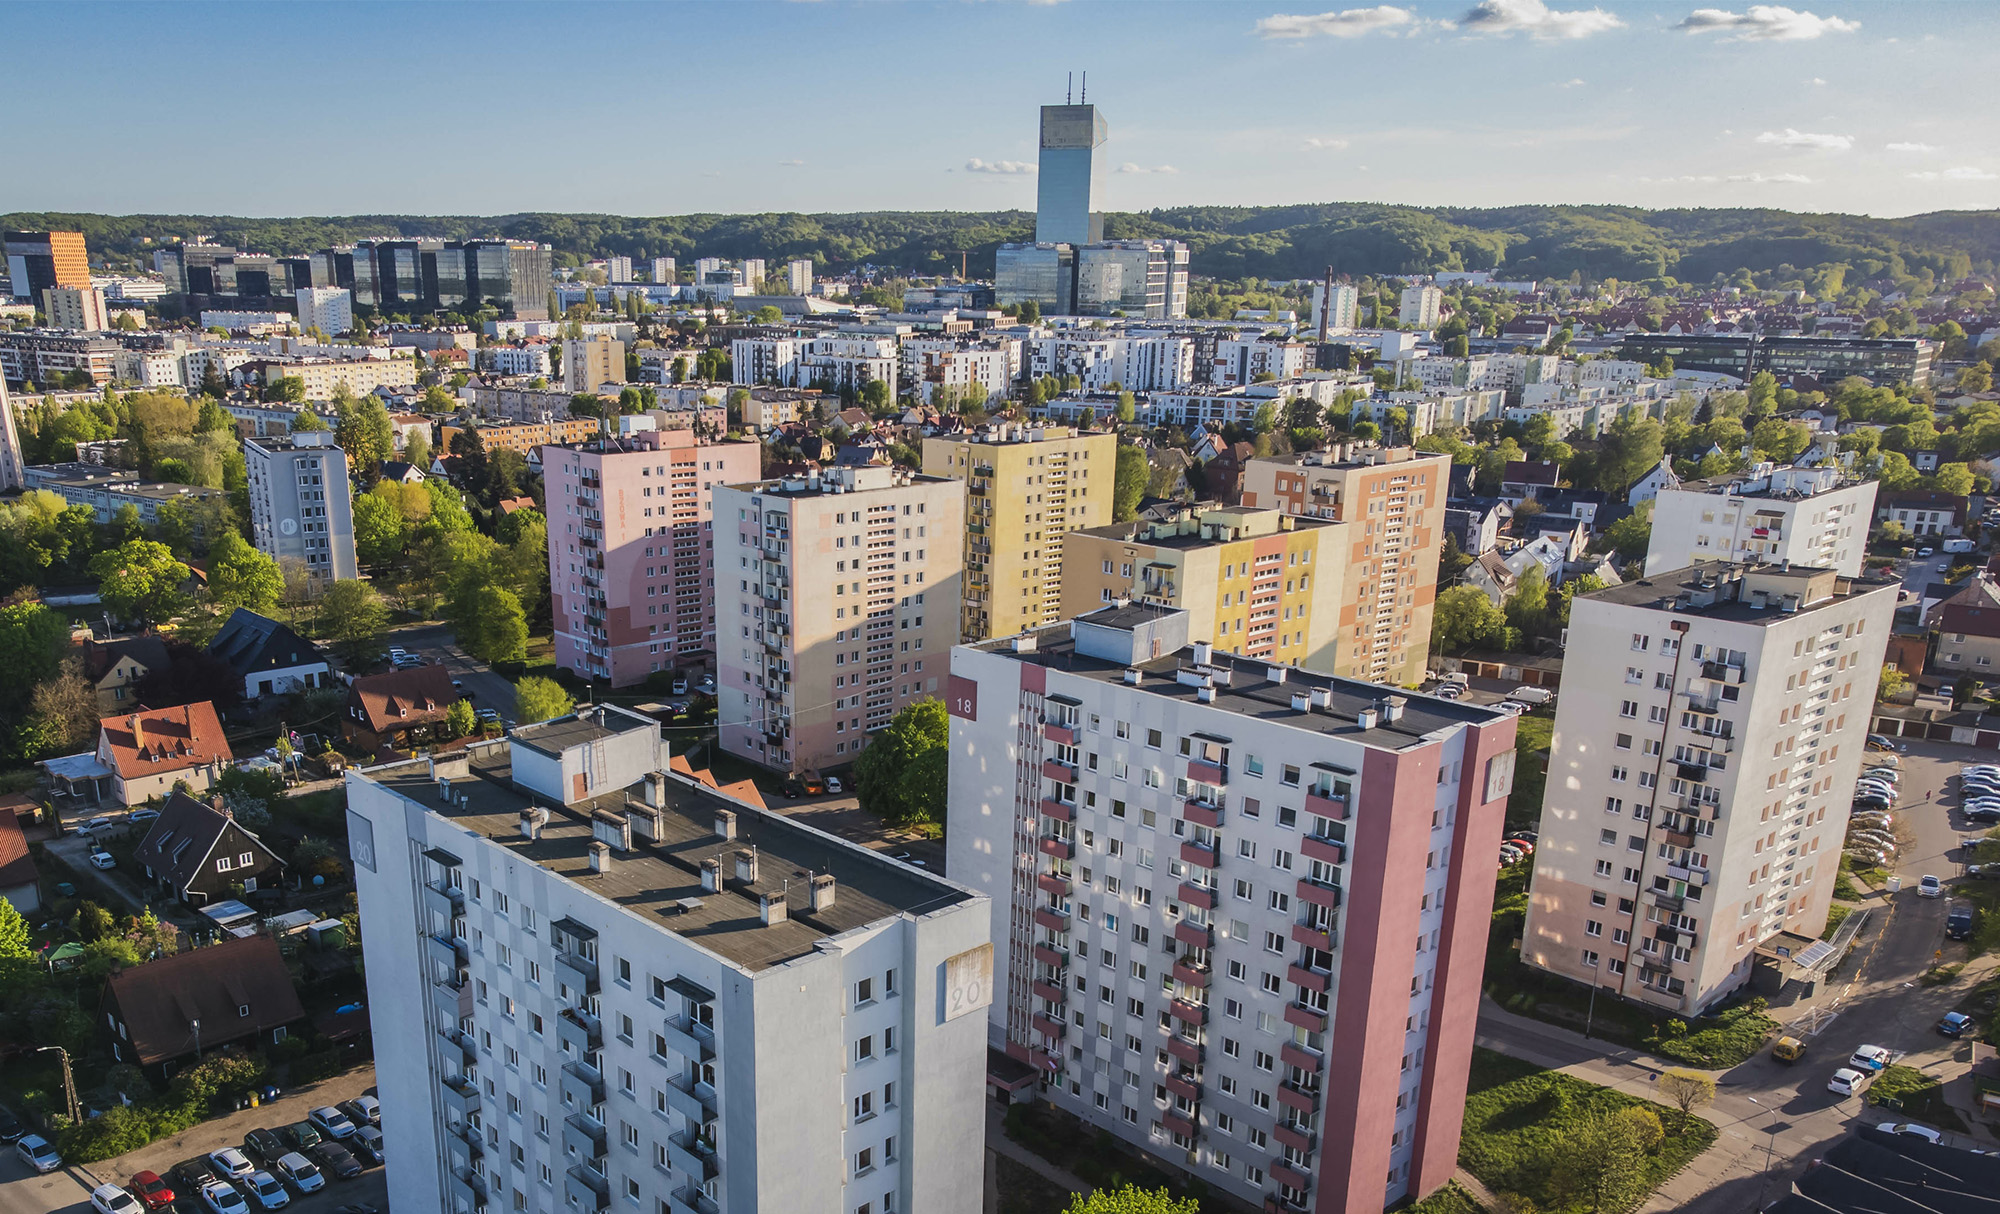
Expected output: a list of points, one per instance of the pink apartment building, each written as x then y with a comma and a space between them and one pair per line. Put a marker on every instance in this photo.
632, 553
836, 604
1239, 908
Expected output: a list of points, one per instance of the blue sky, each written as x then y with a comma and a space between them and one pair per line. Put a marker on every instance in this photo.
638, 108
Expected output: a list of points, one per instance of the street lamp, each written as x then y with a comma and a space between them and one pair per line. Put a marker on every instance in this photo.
1596, 980
69, 1083
1769, 1142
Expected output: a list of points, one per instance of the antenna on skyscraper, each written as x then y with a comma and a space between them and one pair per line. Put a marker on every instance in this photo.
1069, 90
1085, 98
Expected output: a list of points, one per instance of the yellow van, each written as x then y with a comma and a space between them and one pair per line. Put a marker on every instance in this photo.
1788, 1049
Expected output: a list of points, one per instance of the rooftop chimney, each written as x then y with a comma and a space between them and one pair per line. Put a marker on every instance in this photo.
711, 874
1366, 718
1301, 702
746, 866
645, 819
1204, 652
772, 909
1392, 709
611, 829
822, 892
600, 856
533, 819
725, 824
656, 789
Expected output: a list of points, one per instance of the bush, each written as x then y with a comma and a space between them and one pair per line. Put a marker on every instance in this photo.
312, 1068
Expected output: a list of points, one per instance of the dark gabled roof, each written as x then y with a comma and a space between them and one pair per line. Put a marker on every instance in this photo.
250, 642
1971, 621
1875, 1173
398, 699
148, 651
159, 1001
1530, 472
181, 838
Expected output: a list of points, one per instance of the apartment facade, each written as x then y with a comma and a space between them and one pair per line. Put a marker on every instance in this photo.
322, 376
1701, 774
1776, 513
1394, 497
327, 309
597, 984
301, 505
632, 550
1239, 909
1421, 306
77, 309
1025, 488
836, 604
526, 436
1259, 583
588, 362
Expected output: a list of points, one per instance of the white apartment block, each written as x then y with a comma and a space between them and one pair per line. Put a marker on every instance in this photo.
590, 362
835, 361
799, 276
836, 604
1804, 516
664, 270
327, 309
1239, 362
151, 369
753, 273
598, 984
1206, 874
934, 363
301, 506
1149, 363
1346, 303
515, 360
1422, 306
1700, 776
618, 269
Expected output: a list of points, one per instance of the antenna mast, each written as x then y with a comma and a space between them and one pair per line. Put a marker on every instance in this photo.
1069, 90
1085, 98
1326, 306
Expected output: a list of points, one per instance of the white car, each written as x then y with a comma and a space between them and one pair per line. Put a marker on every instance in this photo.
1511, 707
110, 1199
331, 1122
833, 785
299, 1172
269, 1191
1870, 1058
1847, 1082
1910, 1129
1929, 887
230, 1163
103, 860
38, 1153
222, 1198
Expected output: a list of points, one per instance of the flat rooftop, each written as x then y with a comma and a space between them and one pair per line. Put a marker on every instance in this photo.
661, 880
1721, 590
1250, 691
1158, 533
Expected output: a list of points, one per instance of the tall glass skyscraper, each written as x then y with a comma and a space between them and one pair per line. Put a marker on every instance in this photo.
1067, 191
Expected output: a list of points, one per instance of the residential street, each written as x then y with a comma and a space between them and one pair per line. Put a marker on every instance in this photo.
435, 643
1767, 1109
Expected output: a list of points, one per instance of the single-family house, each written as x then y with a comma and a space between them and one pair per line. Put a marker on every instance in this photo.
1476, 522
1968, 639
1491, 574
270, 658
399, 707
147, 753
198, 852
1647, 488
166, 1012
20, 883
399, 470
115, 668
1922, 511
1525, 478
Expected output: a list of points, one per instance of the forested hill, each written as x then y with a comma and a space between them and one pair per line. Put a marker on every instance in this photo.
1229, 242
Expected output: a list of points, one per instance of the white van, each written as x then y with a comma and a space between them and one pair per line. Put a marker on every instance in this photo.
1531, 695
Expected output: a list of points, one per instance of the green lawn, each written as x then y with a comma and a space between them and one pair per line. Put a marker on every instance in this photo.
1916, 1095
1024, 1191
1835, 916
1532, 735
1521, 1120
1451, 1199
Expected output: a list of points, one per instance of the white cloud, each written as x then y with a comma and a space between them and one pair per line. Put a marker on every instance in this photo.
1765, 23
1816, 82
1004, 167
1737, 178
1538, 19
1962, 173
1129, 167
791, 164
1789, 138
1344, 23
1912, 147
1575, 83
1314, 143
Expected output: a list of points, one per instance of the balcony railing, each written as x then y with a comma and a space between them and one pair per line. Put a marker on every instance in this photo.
1326, 805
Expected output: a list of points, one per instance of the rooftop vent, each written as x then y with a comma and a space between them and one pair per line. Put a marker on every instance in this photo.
1204, 652
645, 820
1025, 643
1392, 709
1205, 694
656, 789
1322, 698
444, 790
600, 856
746, 866
822, 892
1275, 673
1132, 675
611, 829
1367, 717
1301, 702
725, 824
772, 909
711, 874
533, 819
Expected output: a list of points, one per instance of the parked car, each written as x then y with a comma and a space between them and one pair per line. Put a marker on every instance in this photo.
330, 1122
143, 817
152, 1192
1847, 1082
1954, 1024
300, 1135
681, 685
1788, 1049
268, 1191
1881, 742
11, 1128
38, 1153
1929, 886
221, 1197
707, 685
362, 1110
335, 1160
101, 859
190, 1174
1870, 1058
1910, 1129
264, 1146
110, 1199
299, 1172
366, 1145
230, 1163
1513, 707
833, 785
1983, 872
1958, 924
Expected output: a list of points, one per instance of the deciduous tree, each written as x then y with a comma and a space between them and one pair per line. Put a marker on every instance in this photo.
141, 580
1129, 483
241, 576
1687, 1090
352, 616
901, 776
540, 699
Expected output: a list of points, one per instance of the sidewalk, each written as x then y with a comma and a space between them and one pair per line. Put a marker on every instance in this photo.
228, 1131
998, 1143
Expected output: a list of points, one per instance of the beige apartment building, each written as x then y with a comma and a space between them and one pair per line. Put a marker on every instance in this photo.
836, 604
1700, 776
1260, 583
322, 376
1026, 487
1394, 498
588, 362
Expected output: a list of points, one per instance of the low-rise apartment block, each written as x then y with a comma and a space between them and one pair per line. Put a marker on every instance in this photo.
321, 376
1025, 489
1700, 776
1239, 909
527, 436
301, 506
836, 604
632, 550
1774, 513
1394, 497
598, 984
835, 361
1261, 583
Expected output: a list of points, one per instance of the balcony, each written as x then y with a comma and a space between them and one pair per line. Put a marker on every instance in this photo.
1193, 973
690, 1038
447, 902
463, 1149
576, 972
466, 1190
1198, 895
1055, 958
1319, 893
1203, 772
1292, 1096
1305, 1017
1188, 1013
1052, 884
1301, 1057
1050, 991
582, 1085
579, 1032
583, 1137
1303, 933
452, 1000
1200, 935
692, 1201
690, 1155
1186, 1089
1201, 855
1312, 980
1693, 876
1048, 1026
1666, 901
691, 1098
1052, 919
461, 1043
1289, 1176
1319, 848
1291, 1135
1326, 805
1180, 1123
1202, 813
1190, 1052
1062, 772
461, 1098
1063, 734
1061, 849
586, 1189
1696, 773
1721, 673
1052, 808
445, 952
1679, 838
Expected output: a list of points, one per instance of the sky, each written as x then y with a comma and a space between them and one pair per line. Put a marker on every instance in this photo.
850, 105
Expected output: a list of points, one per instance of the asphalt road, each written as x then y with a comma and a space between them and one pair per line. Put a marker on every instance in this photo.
22, 1191
435, 643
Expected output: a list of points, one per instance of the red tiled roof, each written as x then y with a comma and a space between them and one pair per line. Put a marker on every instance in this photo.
400, 699
164, 739
17, 867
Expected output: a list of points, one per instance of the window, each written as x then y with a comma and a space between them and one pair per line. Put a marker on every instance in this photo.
864, 1049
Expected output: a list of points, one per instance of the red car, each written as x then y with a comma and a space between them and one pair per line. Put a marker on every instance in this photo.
151, 1190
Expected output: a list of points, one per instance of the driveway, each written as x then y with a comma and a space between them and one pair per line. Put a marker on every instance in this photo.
24, 1192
